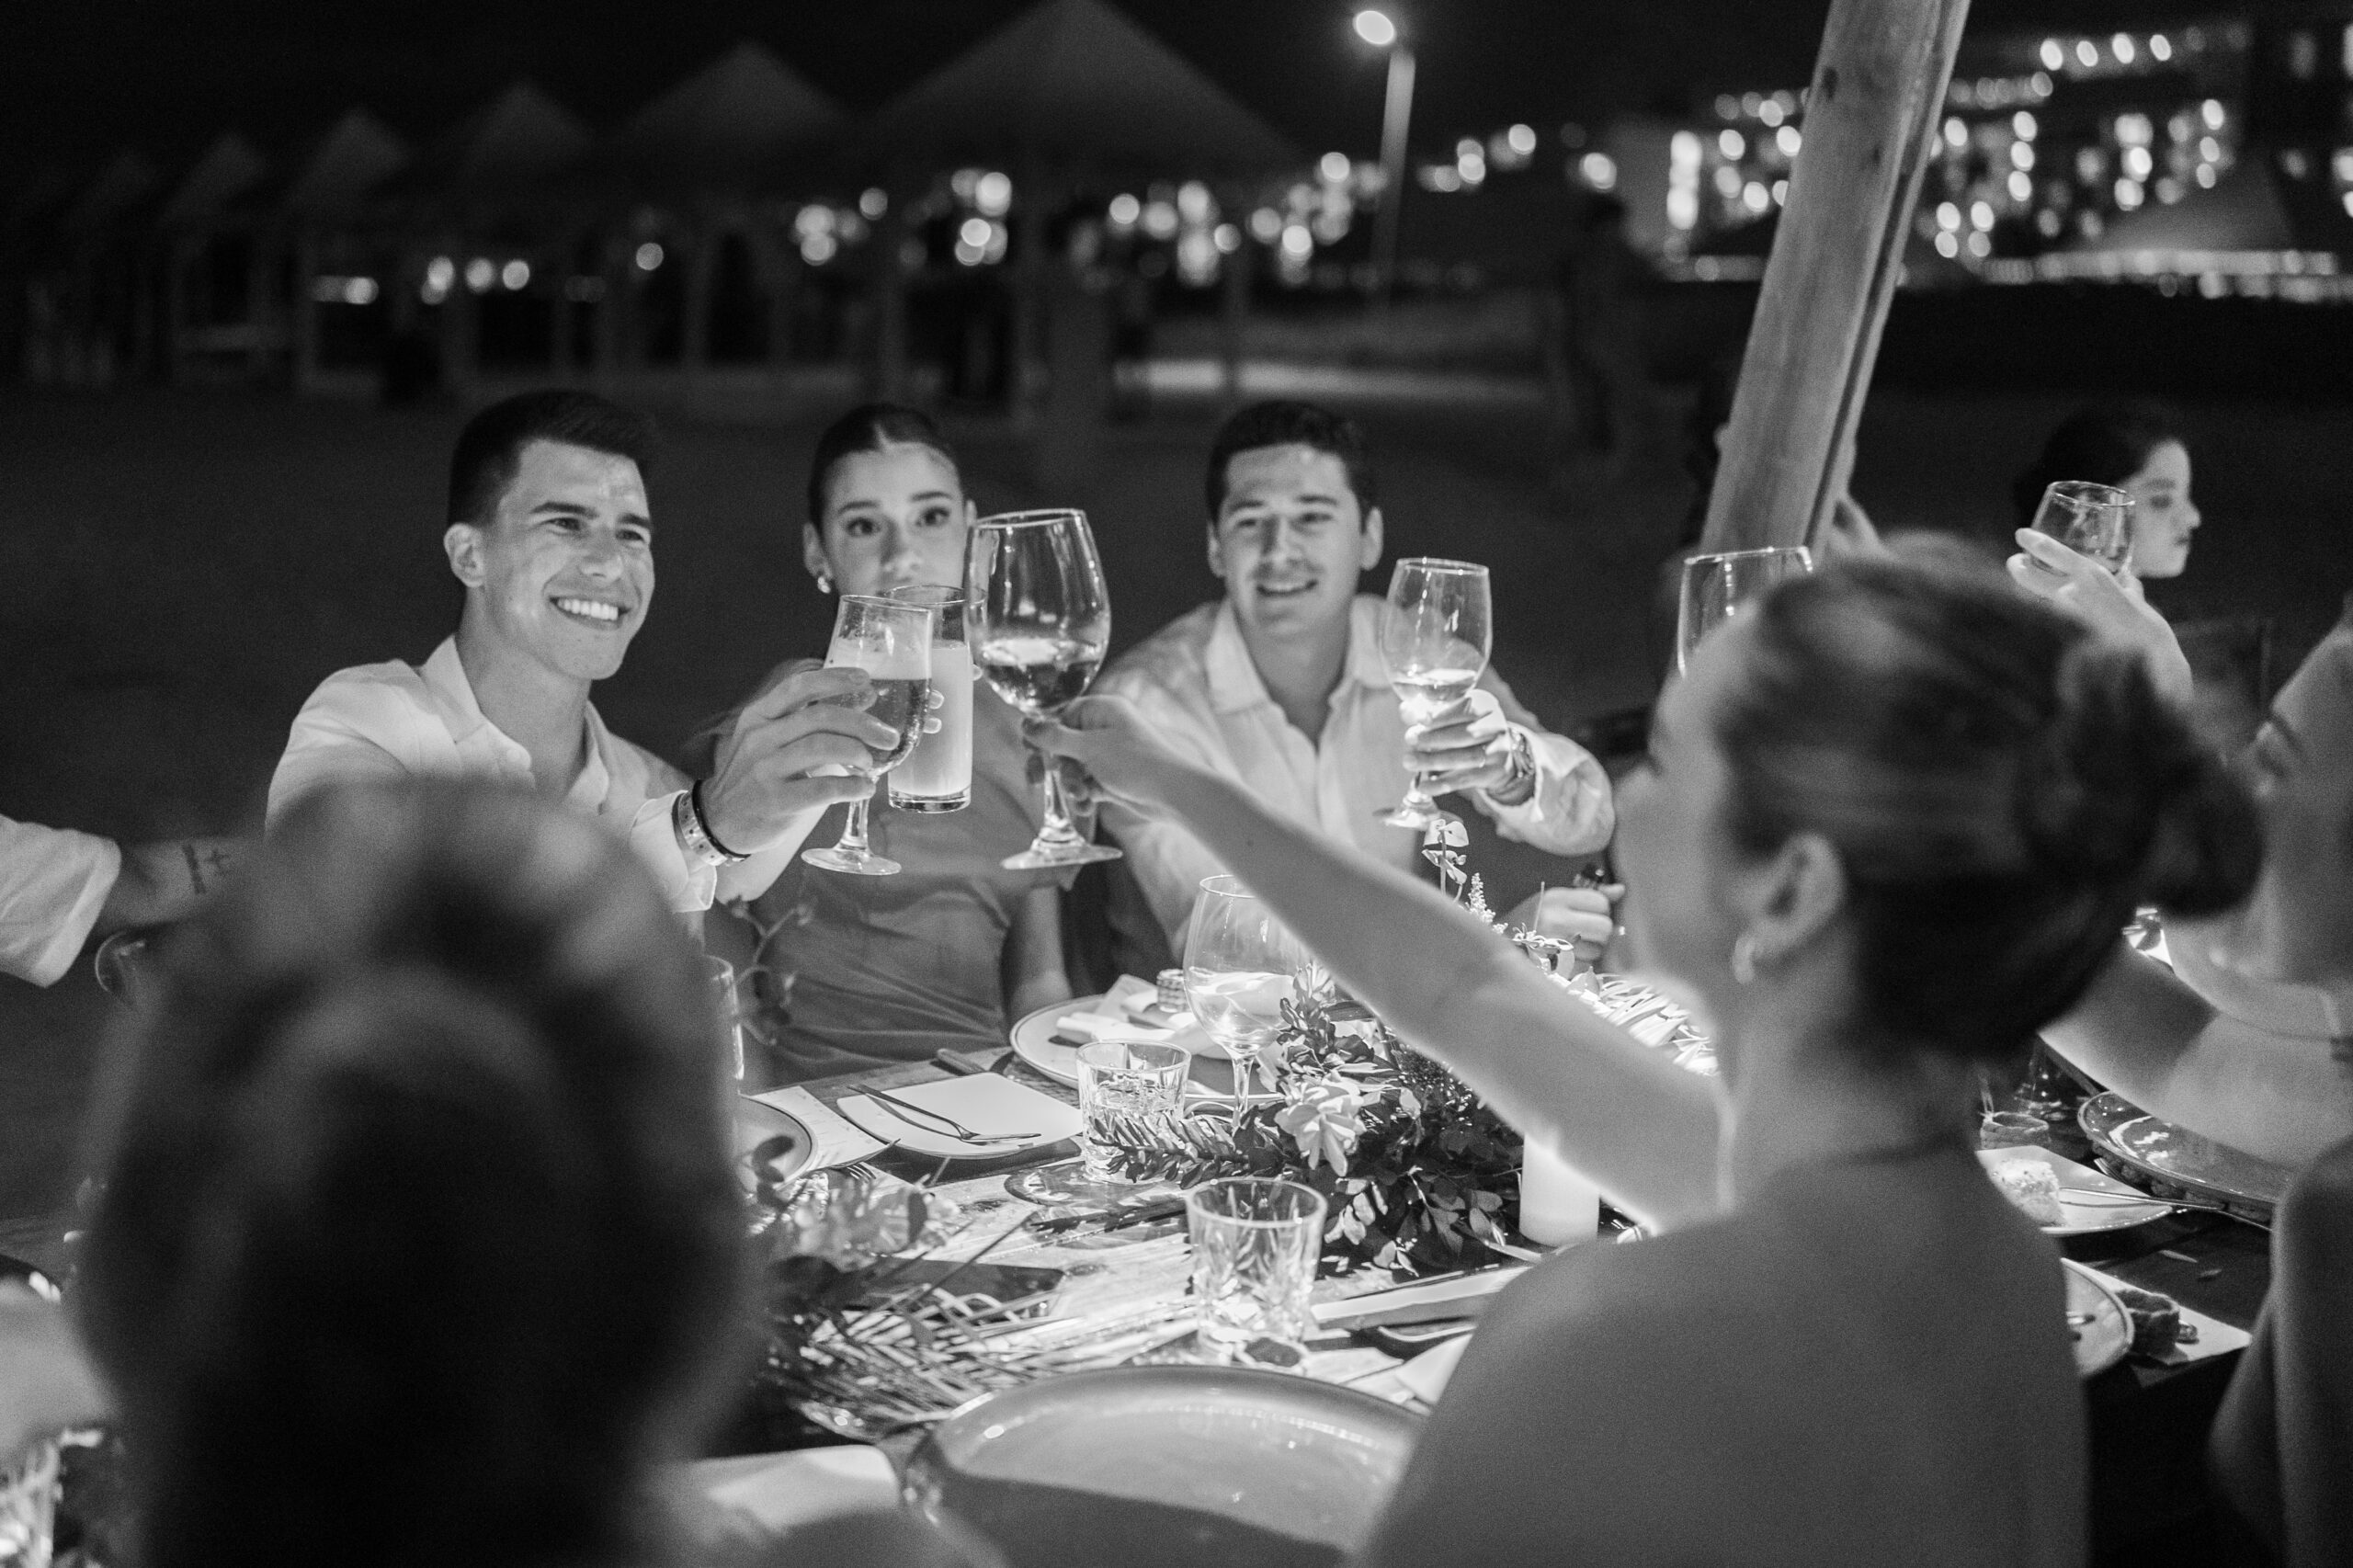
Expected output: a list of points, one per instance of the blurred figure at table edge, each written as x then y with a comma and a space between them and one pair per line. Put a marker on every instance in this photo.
60, 887
942, 955
1888, 825
420, 1239
2247, 1036
549, 531
1281, 685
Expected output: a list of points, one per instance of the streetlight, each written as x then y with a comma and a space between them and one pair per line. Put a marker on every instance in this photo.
1377, 29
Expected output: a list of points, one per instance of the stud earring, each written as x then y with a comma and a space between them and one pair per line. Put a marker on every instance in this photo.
825, 582
1744, 958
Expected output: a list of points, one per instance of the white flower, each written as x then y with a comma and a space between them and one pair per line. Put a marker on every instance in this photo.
1324, 1116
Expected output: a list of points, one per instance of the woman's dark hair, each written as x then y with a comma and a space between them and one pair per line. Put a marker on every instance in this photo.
2104, 445
2002, 789
419, 1238
868, 427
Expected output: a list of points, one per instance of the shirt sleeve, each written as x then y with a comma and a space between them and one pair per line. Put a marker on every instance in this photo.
1169, 862
53, 882
687, 889
349, 731
1570, 811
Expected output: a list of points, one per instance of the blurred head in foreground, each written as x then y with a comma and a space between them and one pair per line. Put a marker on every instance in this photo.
1904, 803
419, 1240
2135, 449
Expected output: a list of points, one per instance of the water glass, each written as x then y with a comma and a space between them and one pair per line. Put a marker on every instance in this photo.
938, 775
727, 1003
2090, 519
1254, 1245
29, 1507
1125, 1079
1717, 587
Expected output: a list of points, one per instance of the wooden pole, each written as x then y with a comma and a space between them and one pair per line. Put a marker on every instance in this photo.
1877, 98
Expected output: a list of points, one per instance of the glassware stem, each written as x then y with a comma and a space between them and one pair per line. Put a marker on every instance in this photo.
853, 838
1054, 829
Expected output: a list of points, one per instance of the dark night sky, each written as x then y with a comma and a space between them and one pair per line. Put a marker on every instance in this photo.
81, 78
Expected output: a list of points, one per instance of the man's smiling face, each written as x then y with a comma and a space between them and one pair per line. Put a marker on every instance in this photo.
563, 571
1290, 539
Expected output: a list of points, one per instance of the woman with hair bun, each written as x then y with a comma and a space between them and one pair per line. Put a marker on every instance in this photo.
1890, 825
420, 1241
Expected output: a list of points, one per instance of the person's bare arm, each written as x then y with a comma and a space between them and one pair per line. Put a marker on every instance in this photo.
165, 881
2145, 1033
1034, 975
47, 1381
1638, 1127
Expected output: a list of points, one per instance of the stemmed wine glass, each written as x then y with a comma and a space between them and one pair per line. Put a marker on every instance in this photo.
1039, 621
2090, 519
1716, 587
891, 641
1240, 963
1435, 634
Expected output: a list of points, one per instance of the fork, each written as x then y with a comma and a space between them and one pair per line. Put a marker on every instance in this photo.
907, 1111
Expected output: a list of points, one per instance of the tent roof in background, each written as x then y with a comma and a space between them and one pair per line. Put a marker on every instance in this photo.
517, 142
229, 168
742, 122
1074, 84
357, 155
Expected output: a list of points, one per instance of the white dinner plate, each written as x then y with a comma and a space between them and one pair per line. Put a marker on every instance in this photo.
1034, 1043
2082, 1217
2105, 1332
1024, 1118
772, 1146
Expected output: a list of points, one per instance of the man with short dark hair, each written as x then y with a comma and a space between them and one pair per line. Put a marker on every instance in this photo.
1281, 684
550, 533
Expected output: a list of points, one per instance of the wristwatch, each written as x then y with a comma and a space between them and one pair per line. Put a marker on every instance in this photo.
694, 833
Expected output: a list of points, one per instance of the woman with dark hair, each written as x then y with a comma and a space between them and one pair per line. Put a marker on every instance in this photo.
942, 955
1890, 825
419, 1241
2136, 449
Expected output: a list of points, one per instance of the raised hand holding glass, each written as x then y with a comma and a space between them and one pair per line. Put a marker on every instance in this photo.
1435, 635
889, 640
1040, 621
2090, 519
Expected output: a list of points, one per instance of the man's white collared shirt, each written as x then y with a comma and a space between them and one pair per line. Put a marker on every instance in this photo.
395, 719
1198, 690
53, 882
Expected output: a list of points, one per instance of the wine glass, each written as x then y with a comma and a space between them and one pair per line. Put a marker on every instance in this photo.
1716, 588
2090, 519
891, 641
1239, 967
1435, 634
1038, 619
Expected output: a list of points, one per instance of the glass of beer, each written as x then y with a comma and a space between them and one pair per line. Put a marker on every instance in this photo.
938, 775
891, 642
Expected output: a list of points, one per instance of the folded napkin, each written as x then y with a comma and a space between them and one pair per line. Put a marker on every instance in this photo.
1425, 1376
838, 1142
1130, 1010
778, 1492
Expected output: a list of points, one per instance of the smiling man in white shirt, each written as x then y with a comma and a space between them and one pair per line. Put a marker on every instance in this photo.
1281, 684
550, 533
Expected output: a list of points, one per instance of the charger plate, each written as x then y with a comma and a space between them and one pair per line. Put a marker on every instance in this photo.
1151, 1467
2177, 1161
